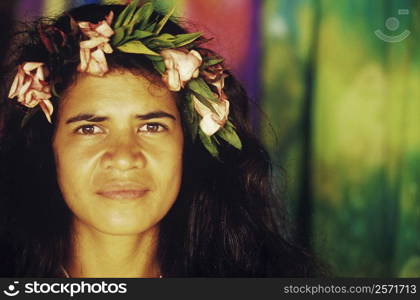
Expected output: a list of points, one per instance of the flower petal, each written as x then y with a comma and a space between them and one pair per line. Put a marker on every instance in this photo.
84, 59
24, 88
104, 29
171, 78
187, 64
94, 42
94, 68
39, 75
84, 25
107, 48
169, 63
211, 122
109, 17
31, 87
93, 60
99, 56
30, 66
220, 84
196, 73
222, 109
47, 108
17, 83
208, 125
30, 99
197, 55
201, 109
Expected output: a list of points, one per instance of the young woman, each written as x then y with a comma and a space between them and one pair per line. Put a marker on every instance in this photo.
126, 151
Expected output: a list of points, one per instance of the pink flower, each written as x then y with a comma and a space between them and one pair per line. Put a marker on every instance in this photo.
211, 122
92, 51
181, 67
31, 89
220, 84
213, 73
215, 76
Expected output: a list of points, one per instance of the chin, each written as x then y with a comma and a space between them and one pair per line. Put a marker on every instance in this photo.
124, 226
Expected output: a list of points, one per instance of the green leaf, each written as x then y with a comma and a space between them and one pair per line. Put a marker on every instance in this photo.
155, 58
229, 135
191, 116
162, 41
54, 91
211, 62
136, 47
29, 116
143, 15
187, 38
130, 14
165, 37
230, 125
118, 36
127, 11
194, 127
141, 34
159, 66
150, 27
199, 86
205, 101
208, 144
190, 112
159, 44
130, 28
164, 21
189, 46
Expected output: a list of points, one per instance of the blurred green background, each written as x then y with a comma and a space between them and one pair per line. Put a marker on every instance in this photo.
344, 105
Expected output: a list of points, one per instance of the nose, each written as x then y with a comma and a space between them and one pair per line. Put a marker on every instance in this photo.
123, 153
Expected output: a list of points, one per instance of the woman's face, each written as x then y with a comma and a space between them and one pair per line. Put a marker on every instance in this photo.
118, 150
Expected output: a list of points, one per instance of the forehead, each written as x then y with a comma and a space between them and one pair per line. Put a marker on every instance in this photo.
116, 92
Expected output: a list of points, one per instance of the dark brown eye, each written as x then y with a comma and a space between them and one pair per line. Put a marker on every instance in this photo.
152, 128
88, 130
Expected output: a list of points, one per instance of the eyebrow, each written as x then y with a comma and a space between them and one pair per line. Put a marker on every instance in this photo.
95, 119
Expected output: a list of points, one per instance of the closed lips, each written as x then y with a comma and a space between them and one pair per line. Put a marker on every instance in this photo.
123, 194
123, 191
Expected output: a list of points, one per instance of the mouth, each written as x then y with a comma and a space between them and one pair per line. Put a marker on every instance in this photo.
122, 191
123, 194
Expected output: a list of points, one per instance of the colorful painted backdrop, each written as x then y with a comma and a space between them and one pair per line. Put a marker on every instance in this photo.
338, 82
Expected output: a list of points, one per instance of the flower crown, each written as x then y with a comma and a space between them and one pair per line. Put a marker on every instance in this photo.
200, 75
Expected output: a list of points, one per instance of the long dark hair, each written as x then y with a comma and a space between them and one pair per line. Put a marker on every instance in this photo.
226, 221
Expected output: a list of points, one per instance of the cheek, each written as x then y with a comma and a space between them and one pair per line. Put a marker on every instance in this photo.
166, 167
74, 170
169, 176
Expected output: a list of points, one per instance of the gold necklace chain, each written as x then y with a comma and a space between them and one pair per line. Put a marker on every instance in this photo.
66, 274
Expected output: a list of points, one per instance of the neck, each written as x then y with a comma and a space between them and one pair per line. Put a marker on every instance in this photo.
97, 254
